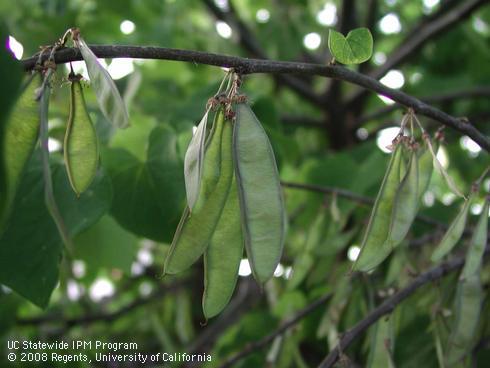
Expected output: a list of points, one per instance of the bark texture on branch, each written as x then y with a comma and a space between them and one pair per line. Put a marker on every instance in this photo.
250, 66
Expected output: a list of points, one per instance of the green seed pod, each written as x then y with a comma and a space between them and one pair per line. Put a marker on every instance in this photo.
453, 233
426, 167
382, 344
259, 190
478, 244
195, 229
211, 171
110, 102
80, 146
469, 298
222, 257
20, 136
194, 162
374, 248
406, 204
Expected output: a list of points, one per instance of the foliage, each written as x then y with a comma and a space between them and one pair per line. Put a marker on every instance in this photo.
128, 202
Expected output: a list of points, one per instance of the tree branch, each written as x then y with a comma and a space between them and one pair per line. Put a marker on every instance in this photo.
257, 345
419, 35
390, 304
249, 66
480, 91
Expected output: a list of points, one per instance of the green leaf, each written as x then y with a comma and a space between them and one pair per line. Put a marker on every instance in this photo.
106, 245
356, 48
20, 133
30, 247
11, 75
8, 309
134, 139
148, 196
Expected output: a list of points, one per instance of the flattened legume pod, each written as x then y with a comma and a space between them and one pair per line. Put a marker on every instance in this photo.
453, 233
406, 203
478, 243
469, 298
80, 146
259, 190
110, 102
211, 171
374, 248
222, 257
20, 136
196, 229
382, 344
193, 162
426, 167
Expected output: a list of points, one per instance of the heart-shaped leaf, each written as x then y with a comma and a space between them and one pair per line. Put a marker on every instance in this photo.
31, 244
356, 48
148, 195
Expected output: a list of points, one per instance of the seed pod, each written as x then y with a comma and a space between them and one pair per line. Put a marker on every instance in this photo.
110, 102
259, 190
222, 257
374, 248
20, 136
80, 145
426, 167
469, 298
382, 344
195, 230
193, 162
453, 233
405, 205
211, 171
478, 243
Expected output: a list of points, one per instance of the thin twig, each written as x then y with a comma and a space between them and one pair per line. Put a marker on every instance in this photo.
481, 91
257, 345
250, 66
389, 305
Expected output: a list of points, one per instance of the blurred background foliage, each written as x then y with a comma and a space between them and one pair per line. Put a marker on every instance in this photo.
122, 226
